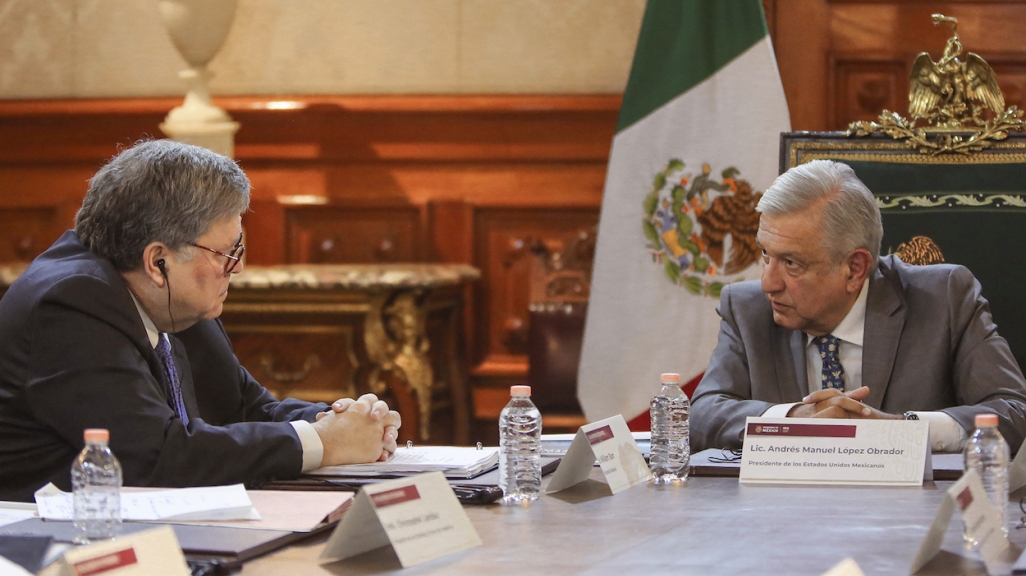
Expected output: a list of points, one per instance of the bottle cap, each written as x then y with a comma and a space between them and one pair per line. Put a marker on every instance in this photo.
670, 377
96, 435
986, 420
519, 390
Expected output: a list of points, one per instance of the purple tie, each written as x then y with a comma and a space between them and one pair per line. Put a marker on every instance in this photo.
833, 373
174, 384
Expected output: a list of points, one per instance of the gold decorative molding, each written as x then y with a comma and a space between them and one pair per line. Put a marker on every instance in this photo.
951, 96
396, 342
801, 152
295, 307
362, 277
996, 201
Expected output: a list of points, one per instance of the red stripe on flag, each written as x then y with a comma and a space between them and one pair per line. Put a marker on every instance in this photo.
643, 422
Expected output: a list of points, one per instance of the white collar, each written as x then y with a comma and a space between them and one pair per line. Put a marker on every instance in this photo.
853, 327
151, 329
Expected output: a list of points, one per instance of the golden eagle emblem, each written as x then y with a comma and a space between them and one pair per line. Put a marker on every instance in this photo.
942, 92
920, 251
701, 228
950, 96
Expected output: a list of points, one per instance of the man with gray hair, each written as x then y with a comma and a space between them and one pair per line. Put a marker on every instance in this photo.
115, 326
833, 330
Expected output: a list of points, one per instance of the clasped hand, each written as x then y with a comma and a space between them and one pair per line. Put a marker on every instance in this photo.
357, 431
832, 403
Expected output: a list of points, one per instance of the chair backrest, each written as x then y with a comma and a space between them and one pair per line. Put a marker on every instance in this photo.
962, 208
554, 348
559, 289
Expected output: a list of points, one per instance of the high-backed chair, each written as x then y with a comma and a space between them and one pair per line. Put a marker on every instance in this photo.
965, 207
560, 284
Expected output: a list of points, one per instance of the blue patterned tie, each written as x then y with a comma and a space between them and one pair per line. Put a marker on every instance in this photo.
163, 350
833, 373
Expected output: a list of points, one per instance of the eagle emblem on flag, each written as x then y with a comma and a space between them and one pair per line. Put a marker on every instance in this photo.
700, 228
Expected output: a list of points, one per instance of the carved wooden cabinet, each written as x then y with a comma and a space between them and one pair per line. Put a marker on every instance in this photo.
322, 332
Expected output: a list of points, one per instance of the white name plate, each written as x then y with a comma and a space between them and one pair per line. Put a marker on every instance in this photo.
419, 516
149, 553
982, 522
611, 443
830, 451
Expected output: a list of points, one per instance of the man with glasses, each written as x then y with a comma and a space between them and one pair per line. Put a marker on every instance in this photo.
115, 326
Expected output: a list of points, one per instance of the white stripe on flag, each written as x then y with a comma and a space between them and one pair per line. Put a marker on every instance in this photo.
639, 323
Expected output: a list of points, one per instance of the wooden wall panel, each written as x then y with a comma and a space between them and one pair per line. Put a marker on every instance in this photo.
502, 244
461, 179
27, 232
333, 234
864, 87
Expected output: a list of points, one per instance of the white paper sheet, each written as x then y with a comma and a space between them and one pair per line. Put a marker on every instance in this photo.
455, 461
11, 512
204, 503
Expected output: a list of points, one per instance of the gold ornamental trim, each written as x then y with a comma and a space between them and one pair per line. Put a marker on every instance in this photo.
951, 97
995, 201
295, 308
1014, 158
286, 329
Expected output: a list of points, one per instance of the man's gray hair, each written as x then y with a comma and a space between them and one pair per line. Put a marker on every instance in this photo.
851, 218
158, 191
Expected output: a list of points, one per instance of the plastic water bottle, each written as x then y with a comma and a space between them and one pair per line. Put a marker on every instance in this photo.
671, 443
520, 428
96, 481
987, 453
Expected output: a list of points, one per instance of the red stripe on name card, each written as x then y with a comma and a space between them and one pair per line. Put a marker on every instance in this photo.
811, 430
396, 496
965, 498
599, 435
105, 563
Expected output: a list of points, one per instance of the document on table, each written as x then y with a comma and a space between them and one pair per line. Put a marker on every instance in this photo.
453, 461
205, 503
289, 510
11, 512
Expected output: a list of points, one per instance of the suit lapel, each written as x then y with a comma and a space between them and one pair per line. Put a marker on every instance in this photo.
885, 318
792, 377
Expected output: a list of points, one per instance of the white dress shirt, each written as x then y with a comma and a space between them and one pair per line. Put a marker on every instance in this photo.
946, 435
313, 448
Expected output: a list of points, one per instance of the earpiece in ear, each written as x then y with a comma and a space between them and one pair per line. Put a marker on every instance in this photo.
163, 270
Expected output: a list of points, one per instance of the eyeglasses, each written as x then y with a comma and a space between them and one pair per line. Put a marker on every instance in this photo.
233, 257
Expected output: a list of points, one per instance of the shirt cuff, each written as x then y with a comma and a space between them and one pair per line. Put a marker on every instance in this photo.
313, 448
946, 435
779, 410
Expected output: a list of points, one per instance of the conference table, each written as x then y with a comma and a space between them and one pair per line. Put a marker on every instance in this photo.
708, 525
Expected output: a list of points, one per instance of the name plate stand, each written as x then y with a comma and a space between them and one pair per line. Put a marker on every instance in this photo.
149, 553
982, 523
611, 443
419, 516
831, 451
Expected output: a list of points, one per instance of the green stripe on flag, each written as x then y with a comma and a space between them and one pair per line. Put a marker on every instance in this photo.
683, 42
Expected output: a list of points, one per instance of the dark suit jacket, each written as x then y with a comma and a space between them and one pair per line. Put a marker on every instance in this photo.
74, 354
929, 344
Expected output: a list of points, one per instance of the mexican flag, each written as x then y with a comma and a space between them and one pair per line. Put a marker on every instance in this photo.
696, 144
